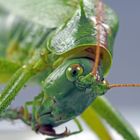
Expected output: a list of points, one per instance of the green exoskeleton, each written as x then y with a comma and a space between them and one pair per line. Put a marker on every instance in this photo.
70, 55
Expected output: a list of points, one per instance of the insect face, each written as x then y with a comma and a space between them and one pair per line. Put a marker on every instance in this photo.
70, 89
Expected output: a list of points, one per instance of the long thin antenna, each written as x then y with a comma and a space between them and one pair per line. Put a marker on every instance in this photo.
123, 85
99, 24
99, 19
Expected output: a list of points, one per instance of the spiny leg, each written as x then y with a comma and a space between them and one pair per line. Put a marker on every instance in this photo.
47, 129
17, 81
20, 113
22, 75
14, 85
24, 111
33, 119
11, 114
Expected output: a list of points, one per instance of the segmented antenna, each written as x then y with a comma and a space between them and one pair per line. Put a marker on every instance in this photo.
99, 19
123, 85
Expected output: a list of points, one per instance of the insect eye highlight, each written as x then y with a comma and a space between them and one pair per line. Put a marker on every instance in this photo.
73, 72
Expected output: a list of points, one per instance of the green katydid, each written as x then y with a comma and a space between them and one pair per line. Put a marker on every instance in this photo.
72, 49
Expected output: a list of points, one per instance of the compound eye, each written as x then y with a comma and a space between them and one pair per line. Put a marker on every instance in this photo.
73, 72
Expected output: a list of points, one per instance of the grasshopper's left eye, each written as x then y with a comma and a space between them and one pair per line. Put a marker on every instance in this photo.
74, 71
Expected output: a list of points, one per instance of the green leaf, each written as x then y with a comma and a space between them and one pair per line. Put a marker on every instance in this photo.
50, 13
94, 121
114, 118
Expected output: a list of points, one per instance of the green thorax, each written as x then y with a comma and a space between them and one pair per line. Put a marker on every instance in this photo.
23, 30
74, 38
79, 33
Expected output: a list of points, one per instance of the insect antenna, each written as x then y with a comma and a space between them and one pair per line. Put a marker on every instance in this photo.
123, 85
99, 19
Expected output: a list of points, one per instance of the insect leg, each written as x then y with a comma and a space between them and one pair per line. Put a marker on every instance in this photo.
18, 80
114, 118
15, 84
11, 114
79, 127
26, 116
32, 67
68, 133
24, 111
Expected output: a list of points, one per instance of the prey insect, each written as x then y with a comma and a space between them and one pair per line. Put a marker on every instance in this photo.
71, 58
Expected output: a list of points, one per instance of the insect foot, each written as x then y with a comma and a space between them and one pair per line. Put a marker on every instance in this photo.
48, 130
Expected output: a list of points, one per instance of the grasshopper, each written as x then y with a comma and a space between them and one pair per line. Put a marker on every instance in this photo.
70, 55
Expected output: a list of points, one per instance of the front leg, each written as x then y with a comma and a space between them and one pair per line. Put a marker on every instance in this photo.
49, 130
13, 87
34, 66
35, 122
18, 80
